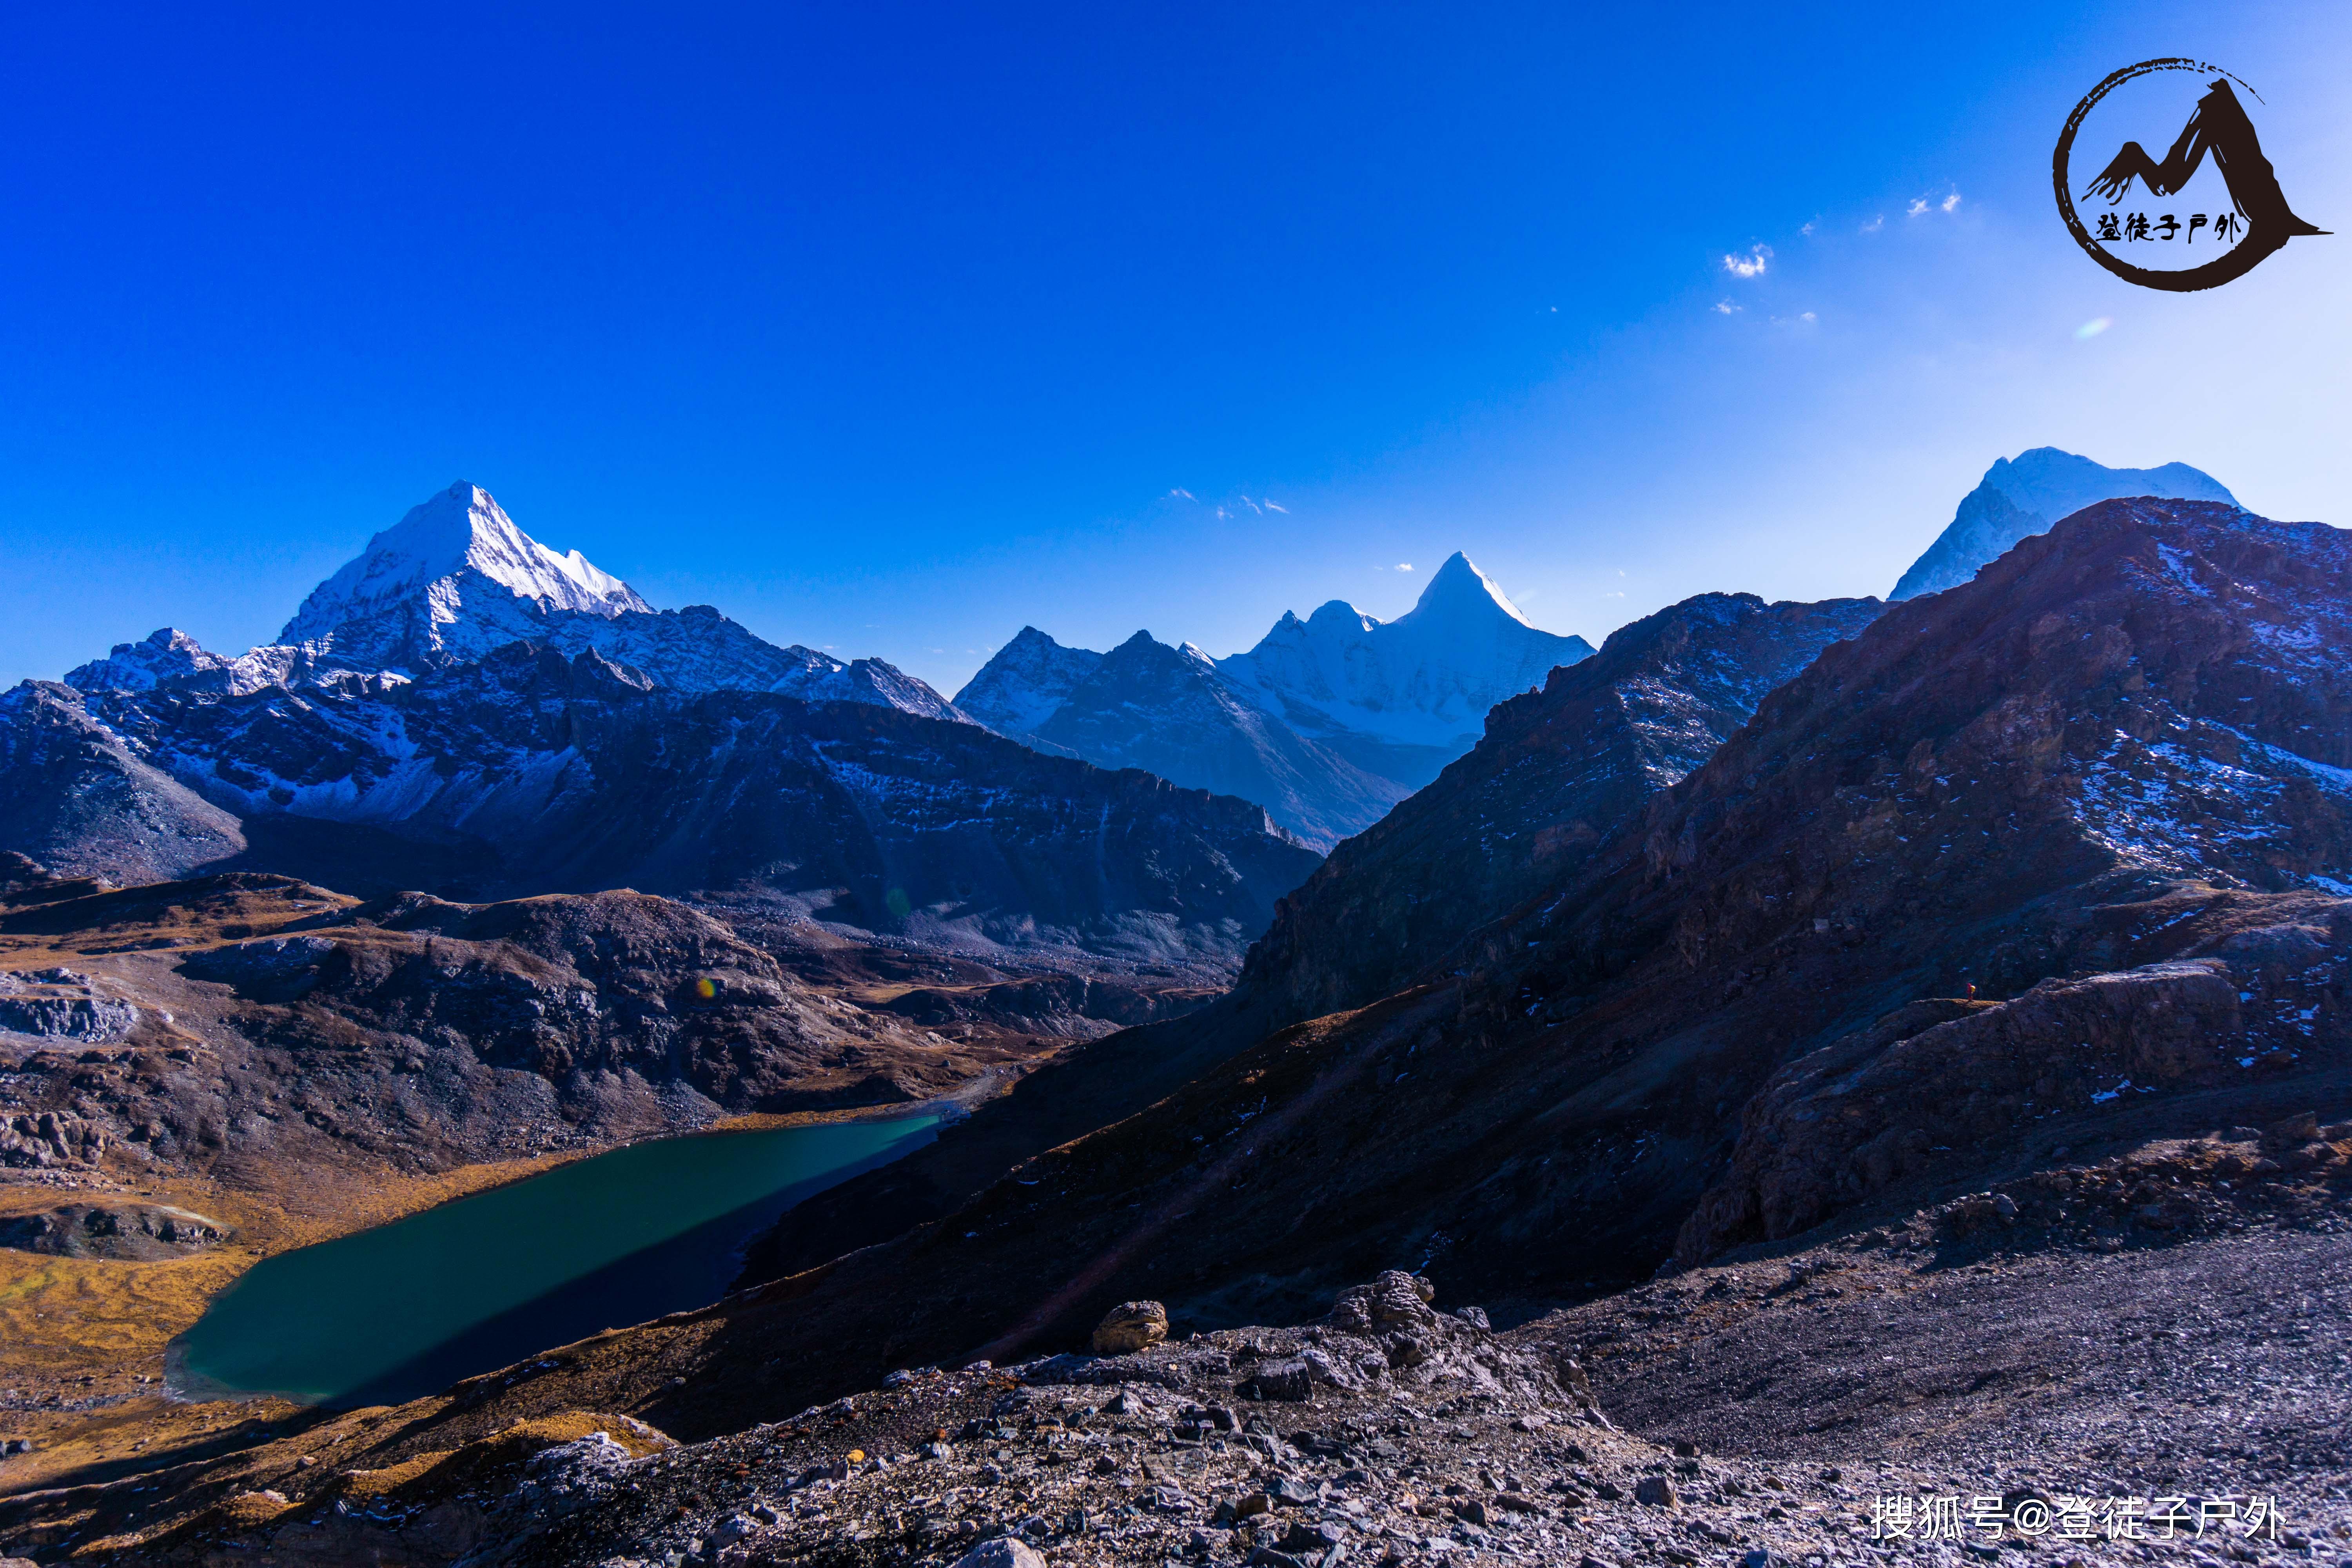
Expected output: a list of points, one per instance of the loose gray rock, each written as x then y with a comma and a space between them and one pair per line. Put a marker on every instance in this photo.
1005, 1552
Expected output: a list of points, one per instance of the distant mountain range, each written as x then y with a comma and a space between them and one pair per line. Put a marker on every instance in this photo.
2022, 496
1328, 722
461, 709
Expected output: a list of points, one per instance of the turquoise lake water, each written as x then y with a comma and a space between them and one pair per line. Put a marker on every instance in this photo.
407, 1309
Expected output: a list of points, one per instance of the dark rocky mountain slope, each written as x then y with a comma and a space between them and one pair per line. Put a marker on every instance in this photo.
2119, 748
527, 772
1557, 771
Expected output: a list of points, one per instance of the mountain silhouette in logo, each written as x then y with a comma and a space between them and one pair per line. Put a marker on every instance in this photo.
2217, 125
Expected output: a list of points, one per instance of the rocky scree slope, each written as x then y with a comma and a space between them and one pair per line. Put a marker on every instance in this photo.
1761, 1410
1557, 771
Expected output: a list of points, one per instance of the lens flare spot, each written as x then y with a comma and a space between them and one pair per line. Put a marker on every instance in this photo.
2093, 328
706, 988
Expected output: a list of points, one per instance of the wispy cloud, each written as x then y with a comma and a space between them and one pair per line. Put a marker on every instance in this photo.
1805, 228
1724, 307
2093, 328
1180, 491
1271, 507
1751, 265
1404, 566
1875, 225
1922, 205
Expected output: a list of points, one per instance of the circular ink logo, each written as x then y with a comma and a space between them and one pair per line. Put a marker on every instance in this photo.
2218, 229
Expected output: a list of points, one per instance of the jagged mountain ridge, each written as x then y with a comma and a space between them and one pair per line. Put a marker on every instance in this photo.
454, 578
528, 771
2022, 496
1427, 678
472, 713
1326, 722
1168, 710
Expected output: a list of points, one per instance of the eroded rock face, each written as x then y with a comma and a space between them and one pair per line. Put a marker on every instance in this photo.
527, 770
1847, 1121
47, 1138
60, 1005
141, 1232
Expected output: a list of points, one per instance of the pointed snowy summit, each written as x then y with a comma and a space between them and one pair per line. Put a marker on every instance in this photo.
1460, 590
1424, 680
454, 578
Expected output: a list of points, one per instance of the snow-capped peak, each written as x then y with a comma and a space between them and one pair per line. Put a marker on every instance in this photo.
1425, 678
454, 576
1460, 589
462, 531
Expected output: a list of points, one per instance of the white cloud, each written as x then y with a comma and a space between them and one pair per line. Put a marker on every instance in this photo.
1808, 317
1617, 594
1951, 201
1271, 507
1918, 204
1185, 493
1805, 228
1875, 225
1404, 566
1750, 265
1724, 307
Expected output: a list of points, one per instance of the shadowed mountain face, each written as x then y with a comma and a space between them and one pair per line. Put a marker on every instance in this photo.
2123, 745
2022, 497
73, 794
1166, 711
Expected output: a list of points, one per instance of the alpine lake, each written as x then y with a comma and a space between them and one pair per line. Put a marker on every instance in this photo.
406, 1309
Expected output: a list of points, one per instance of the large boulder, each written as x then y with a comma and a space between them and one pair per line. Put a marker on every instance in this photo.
1129, 1327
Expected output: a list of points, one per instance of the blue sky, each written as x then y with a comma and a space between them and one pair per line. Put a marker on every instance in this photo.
891, 329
